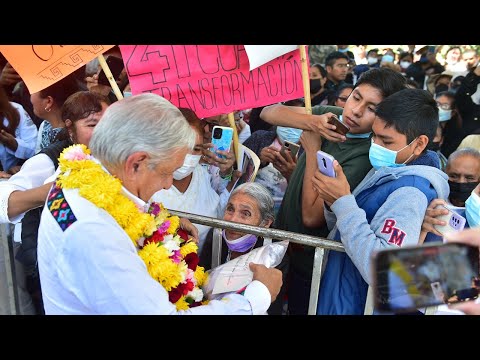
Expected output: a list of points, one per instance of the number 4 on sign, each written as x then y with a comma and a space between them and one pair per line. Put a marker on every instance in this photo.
155, 60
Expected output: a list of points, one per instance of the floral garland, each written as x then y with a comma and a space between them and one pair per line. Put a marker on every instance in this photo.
170, 256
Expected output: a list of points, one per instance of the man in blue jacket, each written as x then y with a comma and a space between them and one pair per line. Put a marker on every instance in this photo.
387, 208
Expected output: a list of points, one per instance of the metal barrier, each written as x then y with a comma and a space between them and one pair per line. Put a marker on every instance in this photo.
320, 245
8, 290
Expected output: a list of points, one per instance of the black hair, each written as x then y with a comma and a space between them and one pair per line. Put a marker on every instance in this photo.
343, 87
385, 80
412, 112
334, 56
320, 68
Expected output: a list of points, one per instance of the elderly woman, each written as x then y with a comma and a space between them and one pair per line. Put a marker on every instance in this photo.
252, 204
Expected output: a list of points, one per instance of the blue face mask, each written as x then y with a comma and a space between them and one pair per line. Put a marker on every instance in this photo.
387, 58
444, 115
127, 93
343, 50
472, 210
289, 134
355, 136
380, 156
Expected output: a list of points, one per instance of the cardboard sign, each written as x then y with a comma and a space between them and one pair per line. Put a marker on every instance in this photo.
261, 54
43, 65
211, 79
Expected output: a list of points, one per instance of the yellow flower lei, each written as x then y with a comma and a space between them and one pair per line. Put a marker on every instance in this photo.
79, 171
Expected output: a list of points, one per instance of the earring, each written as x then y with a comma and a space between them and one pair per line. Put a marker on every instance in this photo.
48, 110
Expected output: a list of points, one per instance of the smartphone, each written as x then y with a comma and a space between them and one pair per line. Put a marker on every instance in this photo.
454, 221
410, 278
325, 163
290, 146
116, 66
341, 128
221, 139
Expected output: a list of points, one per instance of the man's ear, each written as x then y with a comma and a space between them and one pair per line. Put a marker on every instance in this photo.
422, 143
136, 163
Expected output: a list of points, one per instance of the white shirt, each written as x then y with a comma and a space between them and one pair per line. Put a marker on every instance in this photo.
93, 268
199, 198
33, 173
26, 136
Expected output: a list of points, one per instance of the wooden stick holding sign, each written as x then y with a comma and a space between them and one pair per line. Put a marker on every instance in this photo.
231, 121
108, 74
305, 78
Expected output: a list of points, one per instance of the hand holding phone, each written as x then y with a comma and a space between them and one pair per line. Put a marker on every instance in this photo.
290, 146
221, 139
454, 222
325, 164
340, 127
409, 278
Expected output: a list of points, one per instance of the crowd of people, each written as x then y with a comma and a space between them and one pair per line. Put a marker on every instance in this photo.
412, 145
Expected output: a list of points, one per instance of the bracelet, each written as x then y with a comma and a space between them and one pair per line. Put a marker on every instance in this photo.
228, 176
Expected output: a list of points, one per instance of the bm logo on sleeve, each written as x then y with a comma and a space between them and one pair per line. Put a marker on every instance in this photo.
397, 236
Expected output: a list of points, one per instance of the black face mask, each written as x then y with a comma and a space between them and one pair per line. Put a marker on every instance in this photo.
441, 88
434, 146
315, 86
460, 191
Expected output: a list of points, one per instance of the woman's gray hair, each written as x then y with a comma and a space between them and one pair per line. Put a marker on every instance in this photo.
145, 122
261, 195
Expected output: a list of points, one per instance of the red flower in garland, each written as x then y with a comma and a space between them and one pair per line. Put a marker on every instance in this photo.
192, 261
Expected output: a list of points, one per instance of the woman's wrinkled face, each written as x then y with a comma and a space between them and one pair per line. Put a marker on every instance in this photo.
241, 208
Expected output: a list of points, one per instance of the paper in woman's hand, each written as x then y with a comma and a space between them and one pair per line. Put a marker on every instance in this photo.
236, 274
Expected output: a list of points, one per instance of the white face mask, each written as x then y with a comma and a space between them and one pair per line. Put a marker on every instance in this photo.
189, 164
405, 64
372, 60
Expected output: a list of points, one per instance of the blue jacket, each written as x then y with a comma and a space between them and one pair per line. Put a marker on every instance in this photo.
385, 210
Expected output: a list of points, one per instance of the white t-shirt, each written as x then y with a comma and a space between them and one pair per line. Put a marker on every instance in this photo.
199, 198
90, 266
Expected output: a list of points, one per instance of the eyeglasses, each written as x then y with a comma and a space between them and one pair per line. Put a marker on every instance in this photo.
444, 106
343, 98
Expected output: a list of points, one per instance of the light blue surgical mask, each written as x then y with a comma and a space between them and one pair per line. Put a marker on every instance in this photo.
127, 94
380, 156
444, 115
288, 134
387, 58
472, 210
354, 136
343, 50
358, 136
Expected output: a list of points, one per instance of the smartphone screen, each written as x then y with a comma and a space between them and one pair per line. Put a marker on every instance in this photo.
410, 278
116, 66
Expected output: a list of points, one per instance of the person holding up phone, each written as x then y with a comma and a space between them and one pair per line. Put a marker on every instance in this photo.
302, 209
386, 209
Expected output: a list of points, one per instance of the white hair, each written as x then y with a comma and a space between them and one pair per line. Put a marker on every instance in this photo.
145, 122
262, 197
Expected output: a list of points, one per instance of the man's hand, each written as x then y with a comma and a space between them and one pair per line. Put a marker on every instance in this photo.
4, 175
186, 225
328, 188
311, 141
271, 278
431, 215
14, 169
321, 126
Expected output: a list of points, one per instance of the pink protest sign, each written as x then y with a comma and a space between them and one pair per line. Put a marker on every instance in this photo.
211, 79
